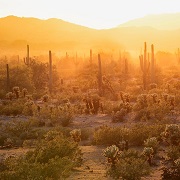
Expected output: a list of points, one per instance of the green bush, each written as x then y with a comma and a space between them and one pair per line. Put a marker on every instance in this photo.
108, 136
53, 158
172, 172
130, 166
140, 132
173, 152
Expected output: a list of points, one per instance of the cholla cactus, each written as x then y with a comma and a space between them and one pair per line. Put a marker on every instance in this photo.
76, 135
154, 96
9, 95
29, 103
172, 134
45, 98
171, 100
16, 91
111, 153
142, 100
165, 96
152, 142
148, 152
24, 92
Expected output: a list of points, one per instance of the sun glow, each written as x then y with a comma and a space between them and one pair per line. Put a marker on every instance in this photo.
91, 13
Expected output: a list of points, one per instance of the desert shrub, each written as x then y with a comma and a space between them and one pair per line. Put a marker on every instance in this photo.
11, 108
110, 106
53, 158
173, 152
130, 153
142, 115
76, 135
108, 136
36, 122
65, 116
119, 115
2, 93
129, 166
139, 133
172, 172
58, 116
86, 133
18, 131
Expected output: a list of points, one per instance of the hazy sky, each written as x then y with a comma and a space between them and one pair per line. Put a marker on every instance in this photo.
91, 13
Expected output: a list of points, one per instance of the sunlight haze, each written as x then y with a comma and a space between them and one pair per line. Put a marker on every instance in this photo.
94, 14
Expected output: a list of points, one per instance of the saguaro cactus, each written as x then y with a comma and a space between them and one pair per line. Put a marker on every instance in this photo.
152, 65
90, 60
99, 75
144, 63
7, 80
50, 72
27, 58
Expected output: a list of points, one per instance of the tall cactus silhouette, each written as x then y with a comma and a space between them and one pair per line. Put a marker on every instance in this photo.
27, 59
99, 75
90, 60
153, 80
7, 80
50, 72
144, 63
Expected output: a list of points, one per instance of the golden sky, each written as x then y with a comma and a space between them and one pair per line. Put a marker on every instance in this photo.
97, 14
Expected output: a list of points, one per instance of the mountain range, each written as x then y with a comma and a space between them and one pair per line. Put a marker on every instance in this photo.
55, 34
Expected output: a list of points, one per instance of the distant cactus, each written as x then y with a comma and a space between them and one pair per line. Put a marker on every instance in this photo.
172, 134
27, 59
90, 60
8, 80
45, 98
154, 96
50, 72
142, 100
148, 153
24, 92
16, 91
10, 95
152, 65
100, 76
144, 64
152, 142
